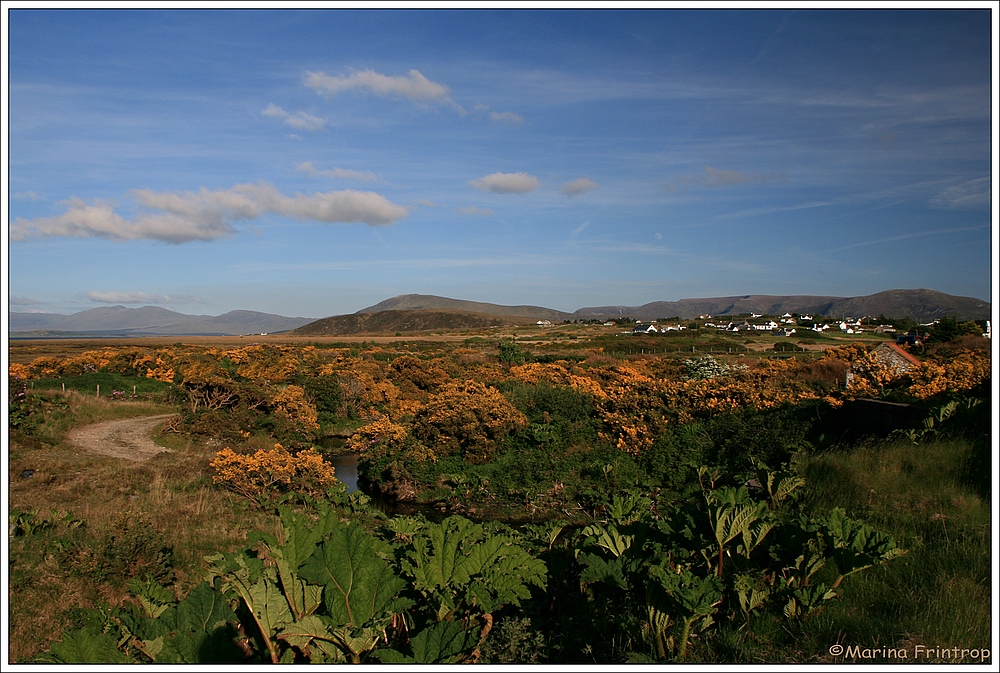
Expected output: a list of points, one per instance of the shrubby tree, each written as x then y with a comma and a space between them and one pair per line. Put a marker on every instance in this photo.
466, 418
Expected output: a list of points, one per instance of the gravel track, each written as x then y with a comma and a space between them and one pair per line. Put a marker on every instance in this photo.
128, 438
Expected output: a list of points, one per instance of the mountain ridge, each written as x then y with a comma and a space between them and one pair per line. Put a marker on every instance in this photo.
151, 321
920, 304
430, 312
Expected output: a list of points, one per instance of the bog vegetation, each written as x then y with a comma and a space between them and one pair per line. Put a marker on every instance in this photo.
581, 502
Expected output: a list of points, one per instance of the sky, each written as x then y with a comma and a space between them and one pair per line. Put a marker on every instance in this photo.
313, 162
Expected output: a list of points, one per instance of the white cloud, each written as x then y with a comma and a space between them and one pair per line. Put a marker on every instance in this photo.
338, 173
579, 186
139, 298
300, 120
206, 215
475, 211
506, 118
413, 86
506, 183
25, 196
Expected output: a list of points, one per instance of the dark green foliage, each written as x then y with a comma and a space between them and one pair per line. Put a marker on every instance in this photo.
514, 640
947, 329
85, 647
22, 404
110, 382
439, 643
326, 394
676, 455
132, 547
510, 352
743, 438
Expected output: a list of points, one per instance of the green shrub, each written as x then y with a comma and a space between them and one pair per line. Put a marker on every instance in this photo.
131, 548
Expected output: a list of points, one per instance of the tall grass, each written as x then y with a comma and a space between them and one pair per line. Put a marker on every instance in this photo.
938, 595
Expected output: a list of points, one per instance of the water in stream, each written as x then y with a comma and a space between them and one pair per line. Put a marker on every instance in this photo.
345, 467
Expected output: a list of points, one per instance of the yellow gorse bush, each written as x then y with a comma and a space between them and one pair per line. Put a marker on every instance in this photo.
266, 473
293, 405
962, 373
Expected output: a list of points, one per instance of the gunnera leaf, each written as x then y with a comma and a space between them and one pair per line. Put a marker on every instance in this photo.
359, 586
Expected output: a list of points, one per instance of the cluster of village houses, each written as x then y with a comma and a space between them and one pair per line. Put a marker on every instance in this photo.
786, 325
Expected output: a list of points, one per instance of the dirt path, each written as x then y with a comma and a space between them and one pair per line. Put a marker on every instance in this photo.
128, 438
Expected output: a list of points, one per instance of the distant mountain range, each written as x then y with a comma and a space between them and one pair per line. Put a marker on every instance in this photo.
921, 305
420, 313
148, 321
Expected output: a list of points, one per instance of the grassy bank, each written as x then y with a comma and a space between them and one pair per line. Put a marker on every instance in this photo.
82, 523
936, 597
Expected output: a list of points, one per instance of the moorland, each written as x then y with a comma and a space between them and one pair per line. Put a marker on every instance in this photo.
570, 493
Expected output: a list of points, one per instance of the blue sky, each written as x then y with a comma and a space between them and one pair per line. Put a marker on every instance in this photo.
312, 163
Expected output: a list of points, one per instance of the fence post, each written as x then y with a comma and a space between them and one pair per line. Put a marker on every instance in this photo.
98, 389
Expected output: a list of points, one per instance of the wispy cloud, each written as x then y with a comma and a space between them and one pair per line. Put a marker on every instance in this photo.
974, 193
506, 183
206, 215
299, 120
338, 173
506, 118
900, 237
777, 209
705, 261
475, 211
579, 186
15, 300
722, 177
717, 177
418, 263
25, 196
140, 298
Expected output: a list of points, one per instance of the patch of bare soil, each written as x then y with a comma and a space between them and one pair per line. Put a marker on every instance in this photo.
128, 438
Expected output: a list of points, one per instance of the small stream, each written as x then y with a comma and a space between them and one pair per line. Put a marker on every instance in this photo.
345, 466
346, 470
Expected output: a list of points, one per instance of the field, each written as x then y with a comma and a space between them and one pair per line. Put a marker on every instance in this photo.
683, 498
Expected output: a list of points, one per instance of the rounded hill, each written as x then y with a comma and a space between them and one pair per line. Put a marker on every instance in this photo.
405, 321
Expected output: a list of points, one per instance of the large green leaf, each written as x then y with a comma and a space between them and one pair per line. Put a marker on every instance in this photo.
596, 569
459, 565
855, 546
205, 630
694, 595
608, 538
440, 643
198, 629
85, 647
359, 587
